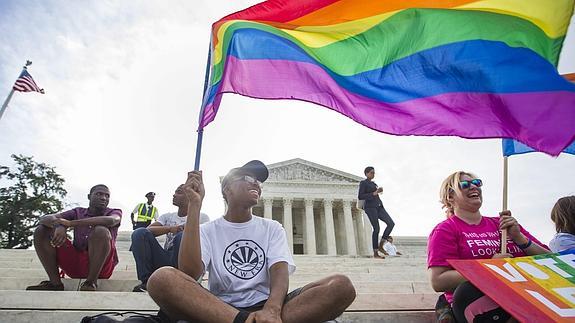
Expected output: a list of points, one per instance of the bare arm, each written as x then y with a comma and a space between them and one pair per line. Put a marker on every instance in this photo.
190, 255
159, 229
533, 249
107, 221
49, 220
279, 284
445, 279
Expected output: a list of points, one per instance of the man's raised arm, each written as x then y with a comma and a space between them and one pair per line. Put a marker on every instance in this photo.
190, 255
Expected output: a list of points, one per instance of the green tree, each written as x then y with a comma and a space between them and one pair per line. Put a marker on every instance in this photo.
27, 191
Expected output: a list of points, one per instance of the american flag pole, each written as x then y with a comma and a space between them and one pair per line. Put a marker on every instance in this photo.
5, 104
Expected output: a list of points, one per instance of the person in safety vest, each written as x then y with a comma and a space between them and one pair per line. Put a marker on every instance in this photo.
145, 212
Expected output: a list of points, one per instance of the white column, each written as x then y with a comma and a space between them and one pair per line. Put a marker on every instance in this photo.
329, 227
349, 233
288, 223
309, 228
268, 203
368, 229
358, 226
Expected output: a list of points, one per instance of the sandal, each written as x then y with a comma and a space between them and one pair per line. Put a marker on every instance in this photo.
88, 286
46, 285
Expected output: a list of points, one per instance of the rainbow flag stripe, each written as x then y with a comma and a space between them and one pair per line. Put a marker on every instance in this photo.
473, 69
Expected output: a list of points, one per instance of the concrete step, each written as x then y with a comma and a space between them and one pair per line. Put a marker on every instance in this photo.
387, 276
8, 254
382, 267
41, 274
78, 301
126, 301
47, 316
114, 285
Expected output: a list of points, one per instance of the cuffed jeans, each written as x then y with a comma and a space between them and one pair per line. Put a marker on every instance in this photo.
149, 255
375, 214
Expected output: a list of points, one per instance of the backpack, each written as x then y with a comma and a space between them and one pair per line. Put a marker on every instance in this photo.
128, 317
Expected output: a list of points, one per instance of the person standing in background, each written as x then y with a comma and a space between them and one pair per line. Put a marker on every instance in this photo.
369, 192
145, 212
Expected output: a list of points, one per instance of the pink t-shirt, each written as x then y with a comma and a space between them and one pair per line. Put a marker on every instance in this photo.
456, 239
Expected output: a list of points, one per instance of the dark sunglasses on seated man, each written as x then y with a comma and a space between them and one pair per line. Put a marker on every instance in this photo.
467, 184
247, 178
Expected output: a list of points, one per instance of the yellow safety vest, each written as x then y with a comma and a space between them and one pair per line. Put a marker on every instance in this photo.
144, 214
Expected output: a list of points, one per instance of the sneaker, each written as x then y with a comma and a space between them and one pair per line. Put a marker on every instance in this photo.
88, 286
140, 288
46, 285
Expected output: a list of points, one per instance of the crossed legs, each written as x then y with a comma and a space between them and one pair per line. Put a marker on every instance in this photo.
181, 297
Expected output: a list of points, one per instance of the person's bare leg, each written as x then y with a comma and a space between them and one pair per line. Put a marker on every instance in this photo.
182, 298
46, 253
320, 301
98, 250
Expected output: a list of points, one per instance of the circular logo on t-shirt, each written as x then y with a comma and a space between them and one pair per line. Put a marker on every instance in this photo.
244, 259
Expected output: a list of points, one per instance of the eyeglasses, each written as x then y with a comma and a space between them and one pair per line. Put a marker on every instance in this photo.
467, 184
248, 179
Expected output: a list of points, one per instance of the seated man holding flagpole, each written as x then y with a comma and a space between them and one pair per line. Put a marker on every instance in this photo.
248, 261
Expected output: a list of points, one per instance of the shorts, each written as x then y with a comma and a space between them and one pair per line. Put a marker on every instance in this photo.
75, 263
245, 311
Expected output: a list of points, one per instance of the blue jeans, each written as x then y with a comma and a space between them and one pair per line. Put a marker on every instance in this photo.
149, 255
375, 214
138, 225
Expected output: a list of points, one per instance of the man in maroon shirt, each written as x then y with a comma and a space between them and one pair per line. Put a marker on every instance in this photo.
92, 255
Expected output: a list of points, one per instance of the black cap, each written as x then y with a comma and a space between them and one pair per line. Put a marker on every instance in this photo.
150, 193
255, 168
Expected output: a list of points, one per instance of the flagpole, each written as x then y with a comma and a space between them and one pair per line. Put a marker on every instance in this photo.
201, 130
5, 105
7, 101
504, 208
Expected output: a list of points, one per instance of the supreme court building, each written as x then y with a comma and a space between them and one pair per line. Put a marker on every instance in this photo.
317, 207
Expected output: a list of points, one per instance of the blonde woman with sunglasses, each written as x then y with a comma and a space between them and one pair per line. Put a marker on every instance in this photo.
467, 234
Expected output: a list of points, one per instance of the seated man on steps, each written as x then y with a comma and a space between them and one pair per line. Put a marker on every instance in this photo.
148, 253
248, 261
389, 249
92, 255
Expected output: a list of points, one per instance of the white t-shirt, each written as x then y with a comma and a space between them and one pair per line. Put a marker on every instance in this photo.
238, 257
390, 248
172, 219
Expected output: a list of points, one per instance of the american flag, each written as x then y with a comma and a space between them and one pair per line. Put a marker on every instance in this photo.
25, 83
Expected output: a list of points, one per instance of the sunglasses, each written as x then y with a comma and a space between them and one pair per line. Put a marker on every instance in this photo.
248, 179
466, 184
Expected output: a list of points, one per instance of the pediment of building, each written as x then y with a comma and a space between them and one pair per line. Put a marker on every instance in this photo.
303, 170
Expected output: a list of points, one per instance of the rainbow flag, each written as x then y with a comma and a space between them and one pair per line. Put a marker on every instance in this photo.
473, 69
513, 147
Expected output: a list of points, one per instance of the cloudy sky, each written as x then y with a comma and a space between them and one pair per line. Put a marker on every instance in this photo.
123, 84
